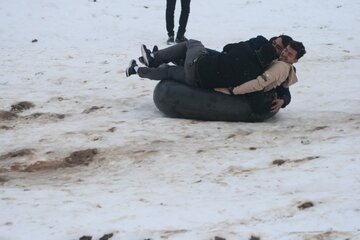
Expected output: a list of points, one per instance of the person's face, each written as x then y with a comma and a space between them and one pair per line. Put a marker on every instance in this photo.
288, 55
278, 45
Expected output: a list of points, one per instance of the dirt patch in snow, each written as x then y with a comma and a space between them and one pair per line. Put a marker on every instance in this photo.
305, 205
77, 158
3, 179
6, 115
92, 109
5, 127
49, 116
21, 106
280, 162
104, 237
17, 153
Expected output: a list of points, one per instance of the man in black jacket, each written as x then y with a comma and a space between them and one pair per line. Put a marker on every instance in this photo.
279, 42
227, 69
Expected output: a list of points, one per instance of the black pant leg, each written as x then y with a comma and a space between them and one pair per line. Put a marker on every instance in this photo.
169, 54
170, 9
164, 72
184, 16
195, 49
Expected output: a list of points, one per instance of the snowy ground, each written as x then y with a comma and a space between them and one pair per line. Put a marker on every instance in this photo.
141, 175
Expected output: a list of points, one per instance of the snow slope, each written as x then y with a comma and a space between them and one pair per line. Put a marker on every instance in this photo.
141, 175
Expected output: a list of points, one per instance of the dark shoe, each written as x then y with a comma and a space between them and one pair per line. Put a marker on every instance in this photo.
170, 40
141, 59
131, 69
180, 39
146, 54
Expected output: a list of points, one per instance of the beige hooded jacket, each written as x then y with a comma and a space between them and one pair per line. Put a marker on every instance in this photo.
278, 73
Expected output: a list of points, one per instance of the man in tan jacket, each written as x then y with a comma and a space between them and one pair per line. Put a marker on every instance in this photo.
280, 72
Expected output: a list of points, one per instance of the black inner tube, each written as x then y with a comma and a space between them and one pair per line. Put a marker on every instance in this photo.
178, 100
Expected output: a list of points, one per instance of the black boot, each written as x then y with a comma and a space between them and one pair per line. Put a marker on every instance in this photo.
180, 39
170, 40
141, 59
148, 57
131, 69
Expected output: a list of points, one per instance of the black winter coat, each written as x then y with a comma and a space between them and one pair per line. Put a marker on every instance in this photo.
255, 43
239, 64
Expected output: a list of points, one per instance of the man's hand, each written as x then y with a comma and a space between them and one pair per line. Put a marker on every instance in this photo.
223, 90
277, 104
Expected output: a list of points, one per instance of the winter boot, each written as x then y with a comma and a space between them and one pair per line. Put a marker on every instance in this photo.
170, 40
131, 69
148, 56
180, 39
141, 59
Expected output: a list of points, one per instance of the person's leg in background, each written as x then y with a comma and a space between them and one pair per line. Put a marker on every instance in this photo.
184, 16
170, 10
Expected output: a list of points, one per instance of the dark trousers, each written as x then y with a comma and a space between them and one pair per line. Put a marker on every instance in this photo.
170, 9
190, 50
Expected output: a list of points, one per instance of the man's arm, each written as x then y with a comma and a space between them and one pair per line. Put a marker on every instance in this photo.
276, 74
280, 102
283, 98
276, 105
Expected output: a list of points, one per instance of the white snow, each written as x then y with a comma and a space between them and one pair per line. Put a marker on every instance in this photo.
162, 178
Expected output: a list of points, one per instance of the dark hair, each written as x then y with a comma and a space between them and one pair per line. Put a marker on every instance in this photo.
285, 39
298, 47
